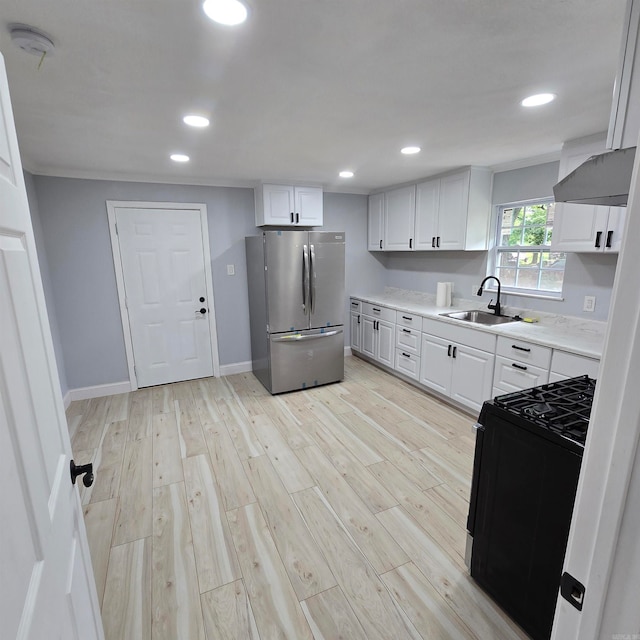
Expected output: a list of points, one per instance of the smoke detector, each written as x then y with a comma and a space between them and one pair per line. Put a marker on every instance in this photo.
31, 40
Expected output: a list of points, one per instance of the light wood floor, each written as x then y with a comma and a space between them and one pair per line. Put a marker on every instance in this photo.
219, 511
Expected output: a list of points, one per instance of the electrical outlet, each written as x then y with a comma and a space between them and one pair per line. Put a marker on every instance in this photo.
231, 270
589, 303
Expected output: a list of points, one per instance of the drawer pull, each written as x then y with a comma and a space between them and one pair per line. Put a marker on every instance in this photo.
519, 366
407, 318
515, 346
406, 355
376, 310
354, 304
406, 331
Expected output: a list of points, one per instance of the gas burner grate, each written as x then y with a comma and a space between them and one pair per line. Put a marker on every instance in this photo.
562, 407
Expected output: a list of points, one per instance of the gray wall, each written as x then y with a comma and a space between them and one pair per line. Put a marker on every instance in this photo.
46, 279
585, 274
77, 243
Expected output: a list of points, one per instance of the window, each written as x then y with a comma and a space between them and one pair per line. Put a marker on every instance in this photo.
524, 261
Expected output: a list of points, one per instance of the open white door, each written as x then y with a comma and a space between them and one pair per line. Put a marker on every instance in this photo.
47, 589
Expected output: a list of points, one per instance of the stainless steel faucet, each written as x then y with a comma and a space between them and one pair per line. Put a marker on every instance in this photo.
496, 306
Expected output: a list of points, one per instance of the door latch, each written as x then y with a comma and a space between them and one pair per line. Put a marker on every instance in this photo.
572, 590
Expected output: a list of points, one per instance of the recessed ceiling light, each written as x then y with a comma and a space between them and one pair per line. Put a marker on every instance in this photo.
196, 121
229, 12
179, 157
408, 151
538, 99
346, 174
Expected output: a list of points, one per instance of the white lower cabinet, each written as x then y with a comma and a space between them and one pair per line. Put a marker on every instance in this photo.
458, 371
408, 364
356, 324
519, 365
378, 333
569, 365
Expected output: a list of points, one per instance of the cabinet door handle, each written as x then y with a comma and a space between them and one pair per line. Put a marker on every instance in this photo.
455, 349
608, 244
358, 319
292, 217
297, 218
410, 243
433, 242
438, 242
519, 366
515, 346
381, 244
598, 236
449, 351
377, 325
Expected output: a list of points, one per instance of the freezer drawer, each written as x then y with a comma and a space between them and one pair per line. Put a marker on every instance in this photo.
304, 359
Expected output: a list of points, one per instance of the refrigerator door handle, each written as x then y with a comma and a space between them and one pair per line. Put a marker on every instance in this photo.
305, 277
312, 269
296, 337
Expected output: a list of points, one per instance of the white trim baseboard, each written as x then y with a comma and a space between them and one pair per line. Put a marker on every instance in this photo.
66, 400
236, 367
347, 351
99, 390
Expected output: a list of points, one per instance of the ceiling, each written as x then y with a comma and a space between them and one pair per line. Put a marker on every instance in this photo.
306, 88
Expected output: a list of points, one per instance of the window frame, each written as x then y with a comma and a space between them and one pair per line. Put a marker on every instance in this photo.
497, 248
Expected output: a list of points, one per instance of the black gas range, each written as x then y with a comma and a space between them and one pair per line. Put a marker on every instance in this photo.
528, 454
560, 410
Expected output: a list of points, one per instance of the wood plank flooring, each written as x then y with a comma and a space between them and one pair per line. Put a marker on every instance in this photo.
222, 512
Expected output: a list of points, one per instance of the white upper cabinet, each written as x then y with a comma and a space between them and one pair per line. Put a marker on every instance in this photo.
448, 213
283, 205
399, 216
581, 227
376, 222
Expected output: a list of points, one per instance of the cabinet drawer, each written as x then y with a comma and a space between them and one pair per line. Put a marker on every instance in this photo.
409, 320
356, 305
510, 375
569, 365
408, 363
462, 335
408, 340
524, 352
379, 312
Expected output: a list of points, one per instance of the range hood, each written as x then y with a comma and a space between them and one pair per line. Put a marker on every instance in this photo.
602, 179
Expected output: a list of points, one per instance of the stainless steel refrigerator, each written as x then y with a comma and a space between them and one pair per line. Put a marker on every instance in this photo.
296, 304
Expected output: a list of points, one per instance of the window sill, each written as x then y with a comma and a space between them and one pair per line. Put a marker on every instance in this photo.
522, 294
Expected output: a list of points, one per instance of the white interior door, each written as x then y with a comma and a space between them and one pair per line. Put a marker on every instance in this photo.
166, 293
47, 589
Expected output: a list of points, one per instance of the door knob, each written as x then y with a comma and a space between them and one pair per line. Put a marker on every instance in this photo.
203, 311
201, 298
85, 470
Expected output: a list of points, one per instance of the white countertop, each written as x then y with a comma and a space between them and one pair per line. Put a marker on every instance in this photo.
583, 337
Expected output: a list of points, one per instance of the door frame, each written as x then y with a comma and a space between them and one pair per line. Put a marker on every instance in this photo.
112, 205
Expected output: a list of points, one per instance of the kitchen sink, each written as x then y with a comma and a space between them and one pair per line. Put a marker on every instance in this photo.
479, 317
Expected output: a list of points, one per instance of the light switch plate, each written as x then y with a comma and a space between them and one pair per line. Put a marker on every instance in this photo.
231, 270
589, 303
